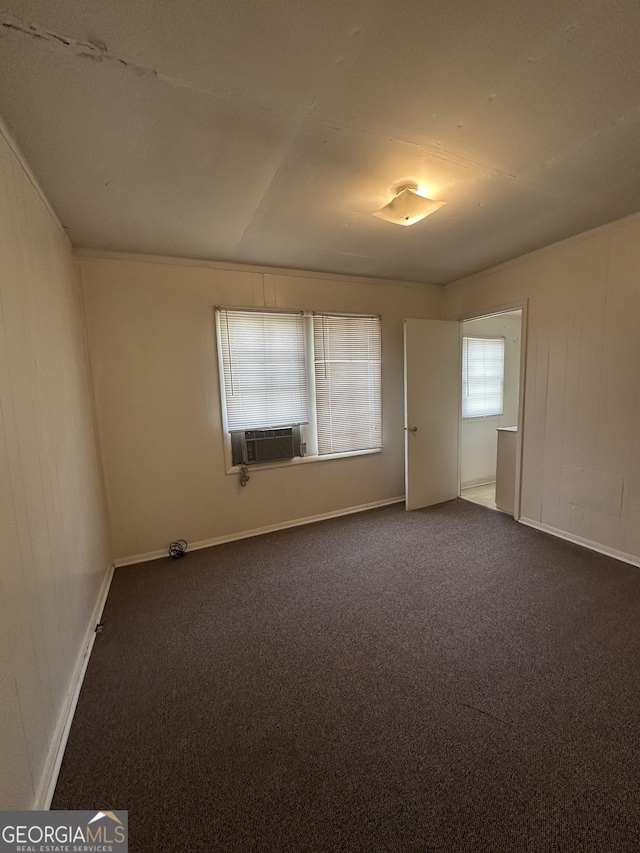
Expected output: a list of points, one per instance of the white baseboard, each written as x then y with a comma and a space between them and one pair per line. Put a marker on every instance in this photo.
579, 540
56, 752
258, 531
480, 481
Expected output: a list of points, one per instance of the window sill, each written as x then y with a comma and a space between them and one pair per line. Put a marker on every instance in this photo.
303, 460
484, 418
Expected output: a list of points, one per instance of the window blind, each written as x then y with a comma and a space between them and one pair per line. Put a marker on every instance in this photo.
347, 365
482, 377
263, 360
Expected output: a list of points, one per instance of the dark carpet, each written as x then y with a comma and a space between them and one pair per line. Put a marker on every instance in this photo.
443, 680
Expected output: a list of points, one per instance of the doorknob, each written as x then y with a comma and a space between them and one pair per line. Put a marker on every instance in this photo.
413, 429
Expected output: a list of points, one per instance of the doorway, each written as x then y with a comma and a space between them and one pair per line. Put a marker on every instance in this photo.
490, 389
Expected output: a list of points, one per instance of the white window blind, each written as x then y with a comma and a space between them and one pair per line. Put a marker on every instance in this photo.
347, 362
263, 361
482, 377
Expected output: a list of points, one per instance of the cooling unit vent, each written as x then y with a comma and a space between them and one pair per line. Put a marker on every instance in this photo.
252, 446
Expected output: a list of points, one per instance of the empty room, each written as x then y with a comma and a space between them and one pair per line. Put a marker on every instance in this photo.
320, 410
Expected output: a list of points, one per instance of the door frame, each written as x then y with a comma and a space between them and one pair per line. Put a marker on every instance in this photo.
503, 308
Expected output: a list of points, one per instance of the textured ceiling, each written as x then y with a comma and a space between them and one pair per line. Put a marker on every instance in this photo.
267, 132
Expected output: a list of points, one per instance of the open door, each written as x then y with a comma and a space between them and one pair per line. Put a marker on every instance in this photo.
432, 411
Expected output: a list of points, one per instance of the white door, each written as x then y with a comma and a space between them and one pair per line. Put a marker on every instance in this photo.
431, 410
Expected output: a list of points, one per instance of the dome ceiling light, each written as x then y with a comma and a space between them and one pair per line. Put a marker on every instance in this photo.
408, 207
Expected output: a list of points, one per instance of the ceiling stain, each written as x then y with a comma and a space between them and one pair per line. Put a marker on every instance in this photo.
93, 49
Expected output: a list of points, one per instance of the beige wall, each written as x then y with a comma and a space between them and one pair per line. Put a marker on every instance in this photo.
478, 439
52, 522
154, 363
581, 452
150, 327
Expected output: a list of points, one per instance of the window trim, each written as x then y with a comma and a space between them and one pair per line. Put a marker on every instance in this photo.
230, 468
297, 460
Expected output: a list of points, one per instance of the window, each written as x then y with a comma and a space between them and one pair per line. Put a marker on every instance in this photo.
347, 379
482, 377
263, 358
319, 370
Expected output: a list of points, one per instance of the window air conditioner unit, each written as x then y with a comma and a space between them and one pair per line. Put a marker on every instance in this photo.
253, 446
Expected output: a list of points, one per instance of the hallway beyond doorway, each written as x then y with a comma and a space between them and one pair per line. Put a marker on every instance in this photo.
485, 495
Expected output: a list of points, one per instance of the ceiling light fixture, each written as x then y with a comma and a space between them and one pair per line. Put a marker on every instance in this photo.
408, 207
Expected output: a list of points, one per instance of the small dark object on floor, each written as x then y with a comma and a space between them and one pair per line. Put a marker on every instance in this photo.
178, 549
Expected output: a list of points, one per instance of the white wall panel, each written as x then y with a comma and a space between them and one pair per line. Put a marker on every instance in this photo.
616, 424
582, 405
558, 288
571, 387
632, 540
52, 514
16, 787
